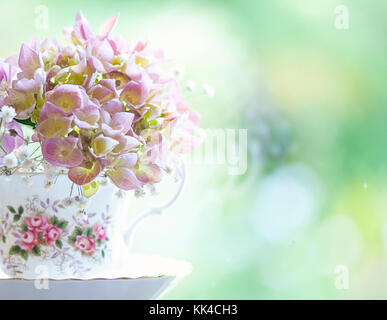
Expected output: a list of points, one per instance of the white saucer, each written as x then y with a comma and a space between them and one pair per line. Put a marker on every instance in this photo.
142, 277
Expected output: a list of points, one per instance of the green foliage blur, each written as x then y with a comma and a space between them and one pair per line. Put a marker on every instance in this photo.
308, 218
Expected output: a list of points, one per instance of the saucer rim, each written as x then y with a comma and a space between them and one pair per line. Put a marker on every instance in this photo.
91, 279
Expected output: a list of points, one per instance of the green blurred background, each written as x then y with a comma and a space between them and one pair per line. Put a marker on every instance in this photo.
313, 99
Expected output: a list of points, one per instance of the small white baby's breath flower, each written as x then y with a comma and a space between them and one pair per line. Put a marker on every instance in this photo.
23, 155
10, 161
178, 72
168, 170
26, 180
138, 193
68, 202
82, 202
120, 194
48, 184
104, 182
154, 189
7, 113
82, 212
191, 85
27, 164
50, 171
208, 90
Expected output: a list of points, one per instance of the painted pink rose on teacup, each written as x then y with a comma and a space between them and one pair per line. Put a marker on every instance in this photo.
37, 224
51, 234
29, 240
99, 231
86, 244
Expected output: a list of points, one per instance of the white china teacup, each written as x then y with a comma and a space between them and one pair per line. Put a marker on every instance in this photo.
46, 233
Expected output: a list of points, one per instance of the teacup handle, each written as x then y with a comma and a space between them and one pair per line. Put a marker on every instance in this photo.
130, 232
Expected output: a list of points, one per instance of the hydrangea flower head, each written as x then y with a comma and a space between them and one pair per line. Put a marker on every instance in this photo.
99, 106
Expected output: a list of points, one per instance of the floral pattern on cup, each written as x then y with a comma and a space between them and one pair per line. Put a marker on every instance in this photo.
89, 238
35, 230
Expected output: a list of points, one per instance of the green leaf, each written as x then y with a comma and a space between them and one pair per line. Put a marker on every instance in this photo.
16, 217
59, 244
103, 253
12, 209
54, 220
99, 242
89, 232
24, 227
63, 224
36, 251
78, 231
26, 122
14, 250
3, 238
72, 238
24, 254
20, 210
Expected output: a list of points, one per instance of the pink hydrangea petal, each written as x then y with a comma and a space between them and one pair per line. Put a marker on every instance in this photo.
149, 173
113, 106
31, 85
124, 178
54, 126
23, 102
134, 93
119, 44
120, 123
104, 51
84, 173
66, 96
87, 117
9, 142
99, 55
104, 90
28, 61
134, 71
128, 161
82, 30
50, 109
126, 143
121, 78
107, 27
103, 145
62, 152
138, 45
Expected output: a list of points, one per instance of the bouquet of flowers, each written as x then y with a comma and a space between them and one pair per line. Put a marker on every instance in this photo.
98, 108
